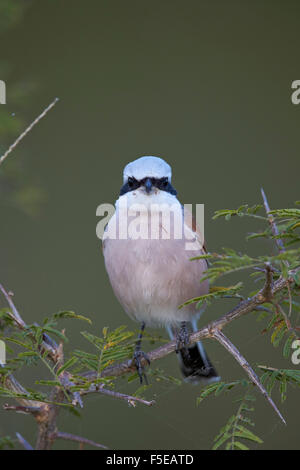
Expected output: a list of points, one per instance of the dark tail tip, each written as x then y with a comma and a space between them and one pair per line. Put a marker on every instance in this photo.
196, 366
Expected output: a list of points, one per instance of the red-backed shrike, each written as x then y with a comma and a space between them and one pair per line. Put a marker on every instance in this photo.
149, 265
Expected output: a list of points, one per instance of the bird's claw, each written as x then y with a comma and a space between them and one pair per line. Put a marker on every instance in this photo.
137, 358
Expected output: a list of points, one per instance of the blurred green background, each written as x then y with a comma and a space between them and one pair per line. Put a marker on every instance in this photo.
204, 84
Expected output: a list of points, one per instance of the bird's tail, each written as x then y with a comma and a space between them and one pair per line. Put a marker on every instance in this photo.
194, 362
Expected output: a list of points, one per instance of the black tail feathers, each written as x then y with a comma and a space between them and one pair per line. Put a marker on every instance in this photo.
194, 362
196, 366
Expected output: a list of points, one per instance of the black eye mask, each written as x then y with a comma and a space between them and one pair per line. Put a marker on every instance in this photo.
161, 183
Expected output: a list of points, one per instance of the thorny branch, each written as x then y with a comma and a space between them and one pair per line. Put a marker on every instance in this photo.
81, 440
111, 393
272, 223
219, 336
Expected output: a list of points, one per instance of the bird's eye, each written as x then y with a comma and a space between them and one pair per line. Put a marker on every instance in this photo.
165, 182
130, 182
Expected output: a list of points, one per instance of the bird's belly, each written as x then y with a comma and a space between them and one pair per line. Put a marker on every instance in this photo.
151, 278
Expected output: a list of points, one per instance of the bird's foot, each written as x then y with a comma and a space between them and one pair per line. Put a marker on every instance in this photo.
182, 337
138, 358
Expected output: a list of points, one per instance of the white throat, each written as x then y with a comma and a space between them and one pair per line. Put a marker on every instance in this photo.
146, 201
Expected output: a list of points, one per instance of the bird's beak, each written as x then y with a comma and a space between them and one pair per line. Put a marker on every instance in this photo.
148, 185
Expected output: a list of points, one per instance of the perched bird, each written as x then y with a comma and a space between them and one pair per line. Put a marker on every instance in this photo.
148, 263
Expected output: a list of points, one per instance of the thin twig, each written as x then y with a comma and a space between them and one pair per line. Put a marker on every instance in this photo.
273, 369
272, 223
23, 442
279, 311
14, 314
130, 399
21, 136
82, 440
34, 410
290, 300
219, 335
278, 241
259, 308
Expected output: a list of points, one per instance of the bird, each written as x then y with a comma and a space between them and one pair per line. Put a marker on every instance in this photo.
149, 267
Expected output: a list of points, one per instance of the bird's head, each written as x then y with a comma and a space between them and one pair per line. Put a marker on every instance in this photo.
147, 176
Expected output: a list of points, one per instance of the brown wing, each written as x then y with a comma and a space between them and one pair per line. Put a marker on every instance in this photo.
190, 221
